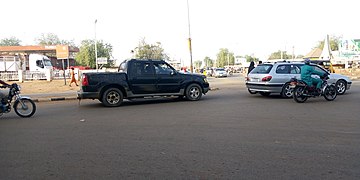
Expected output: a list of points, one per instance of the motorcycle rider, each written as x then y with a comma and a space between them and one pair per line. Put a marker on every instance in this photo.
307, 71
3, 94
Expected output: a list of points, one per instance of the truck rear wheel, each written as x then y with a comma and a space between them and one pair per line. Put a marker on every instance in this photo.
112, 97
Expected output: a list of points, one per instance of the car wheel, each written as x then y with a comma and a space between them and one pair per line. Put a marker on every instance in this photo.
193, 92
112, 97
265, 93
287, 92
252, 92
340, 87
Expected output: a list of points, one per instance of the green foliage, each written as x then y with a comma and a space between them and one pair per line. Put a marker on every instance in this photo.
52, 39
12, 41
334, 43
251, 58
150, 51
86, 55
224, 58
277, 55
208, 62
197, 64
48, 39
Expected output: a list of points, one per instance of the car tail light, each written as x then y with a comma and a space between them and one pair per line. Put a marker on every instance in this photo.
84, 81
247, 78
267, 78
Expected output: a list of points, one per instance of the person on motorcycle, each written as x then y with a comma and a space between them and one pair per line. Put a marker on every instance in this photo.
307, 71
3, 94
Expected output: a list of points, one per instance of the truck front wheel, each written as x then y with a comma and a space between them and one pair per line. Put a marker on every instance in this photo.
193, 92
112, 97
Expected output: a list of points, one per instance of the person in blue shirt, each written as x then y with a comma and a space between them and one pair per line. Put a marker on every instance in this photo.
307, 71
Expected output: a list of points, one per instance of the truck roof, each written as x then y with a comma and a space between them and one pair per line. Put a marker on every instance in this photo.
145, 60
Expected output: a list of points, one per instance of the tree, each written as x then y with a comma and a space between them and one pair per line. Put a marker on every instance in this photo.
150, 51
86, 55
52, 39
251, 58
12, 41
334, 43
277, 55
224, 57
208, 62
197, 64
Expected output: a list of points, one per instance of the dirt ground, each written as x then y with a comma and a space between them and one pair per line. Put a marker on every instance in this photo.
42, 86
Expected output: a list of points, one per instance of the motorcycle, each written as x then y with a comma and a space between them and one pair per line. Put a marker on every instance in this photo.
23, 106
301, 91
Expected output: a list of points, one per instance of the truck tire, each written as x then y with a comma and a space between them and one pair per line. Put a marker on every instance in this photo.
193, 92
112, 97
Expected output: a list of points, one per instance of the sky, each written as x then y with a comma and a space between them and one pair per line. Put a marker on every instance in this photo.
248, 27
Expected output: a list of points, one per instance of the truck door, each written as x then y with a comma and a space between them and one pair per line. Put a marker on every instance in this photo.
142, 78
168, 80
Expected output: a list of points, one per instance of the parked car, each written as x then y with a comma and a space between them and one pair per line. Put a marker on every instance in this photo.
209, 71
270, 78
220, 72
141, 78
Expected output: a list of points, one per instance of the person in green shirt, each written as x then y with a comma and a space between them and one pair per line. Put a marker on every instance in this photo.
306, 71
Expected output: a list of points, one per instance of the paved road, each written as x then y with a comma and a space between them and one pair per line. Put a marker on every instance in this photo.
229, 134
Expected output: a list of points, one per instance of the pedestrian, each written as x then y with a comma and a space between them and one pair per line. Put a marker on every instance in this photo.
251, 67
260, 62
72, 77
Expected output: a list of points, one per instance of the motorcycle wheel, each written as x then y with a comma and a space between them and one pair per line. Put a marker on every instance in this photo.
24, 107
298, 94
330, 93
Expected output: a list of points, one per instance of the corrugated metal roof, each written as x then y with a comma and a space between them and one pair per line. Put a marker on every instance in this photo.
33, 49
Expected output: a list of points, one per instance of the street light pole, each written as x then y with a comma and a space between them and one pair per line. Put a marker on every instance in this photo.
96, 62
190, 48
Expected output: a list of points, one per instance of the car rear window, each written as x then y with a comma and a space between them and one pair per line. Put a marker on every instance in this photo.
262, 69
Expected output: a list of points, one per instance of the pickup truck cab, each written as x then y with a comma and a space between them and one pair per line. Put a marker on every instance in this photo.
141, 78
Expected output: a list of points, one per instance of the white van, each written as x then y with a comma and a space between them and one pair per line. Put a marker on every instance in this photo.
39, 62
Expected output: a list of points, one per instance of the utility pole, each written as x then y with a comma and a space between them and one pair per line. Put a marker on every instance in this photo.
190, 48
96, 47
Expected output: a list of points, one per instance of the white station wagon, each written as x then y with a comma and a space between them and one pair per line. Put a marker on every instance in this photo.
274, 78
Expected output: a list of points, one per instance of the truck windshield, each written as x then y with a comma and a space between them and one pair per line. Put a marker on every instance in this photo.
47, 62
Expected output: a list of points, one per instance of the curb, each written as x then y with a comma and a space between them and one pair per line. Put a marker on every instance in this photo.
53, 99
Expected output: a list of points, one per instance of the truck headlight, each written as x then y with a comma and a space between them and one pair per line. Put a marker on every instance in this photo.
205, 80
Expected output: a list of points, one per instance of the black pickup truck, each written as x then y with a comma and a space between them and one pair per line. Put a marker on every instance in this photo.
141, 78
